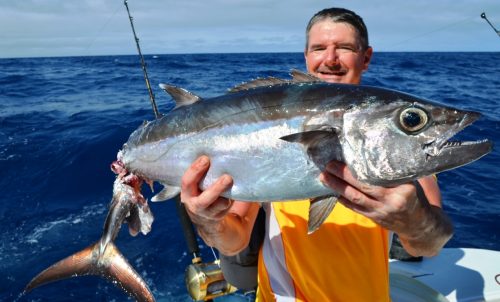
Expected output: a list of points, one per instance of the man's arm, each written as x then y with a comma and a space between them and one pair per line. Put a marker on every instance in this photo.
223, 224
420, 223
435, 228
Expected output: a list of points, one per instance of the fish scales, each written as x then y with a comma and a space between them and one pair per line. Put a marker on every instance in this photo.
241, 134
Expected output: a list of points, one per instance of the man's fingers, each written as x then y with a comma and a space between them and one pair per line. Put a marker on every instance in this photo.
193, 175
209, 203
215, 190
350, 193
206, 204
355, 207
342, 171
342, 187
219, 208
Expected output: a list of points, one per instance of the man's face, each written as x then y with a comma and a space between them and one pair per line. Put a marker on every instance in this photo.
334, 53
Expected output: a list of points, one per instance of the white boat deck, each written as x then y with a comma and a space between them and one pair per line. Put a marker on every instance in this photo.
456, 274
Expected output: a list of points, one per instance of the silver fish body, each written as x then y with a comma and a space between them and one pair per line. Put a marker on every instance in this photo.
241, 134
275, 140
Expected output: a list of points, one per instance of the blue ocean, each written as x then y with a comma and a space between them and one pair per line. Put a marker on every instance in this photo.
62, 121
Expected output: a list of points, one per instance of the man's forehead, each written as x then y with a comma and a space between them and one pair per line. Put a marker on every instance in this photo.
333, 28
327, 29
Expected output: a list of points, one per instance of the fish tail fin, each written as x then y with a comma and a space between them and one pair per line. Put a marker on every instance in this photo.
77, 264
111, 264
119, 270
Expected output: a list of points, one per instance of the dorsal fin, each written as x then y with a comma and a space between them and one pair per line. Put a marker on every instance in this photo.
297, 77
181, 96
259, 82
300, 76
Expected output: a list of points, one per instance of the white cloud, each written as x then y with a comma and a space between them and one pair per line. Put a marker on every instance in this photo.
90, 27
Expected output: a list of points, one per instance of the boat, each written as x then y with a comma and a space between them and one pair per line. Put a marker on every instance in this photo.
455, 274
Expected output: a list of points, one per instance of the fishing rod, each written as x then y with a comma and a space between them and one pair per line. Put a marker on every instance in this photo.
483, 15
204, 281
143, 64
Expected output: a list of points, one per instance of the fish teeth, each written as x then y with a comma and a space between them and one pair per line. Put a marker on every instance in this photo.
452, 144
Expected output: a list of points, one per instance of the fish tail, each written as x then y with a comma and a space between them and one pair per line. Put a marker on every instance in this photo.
111, 265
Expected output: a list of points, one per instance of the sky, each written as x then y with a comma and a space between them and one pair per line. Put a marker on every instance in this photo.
45, 28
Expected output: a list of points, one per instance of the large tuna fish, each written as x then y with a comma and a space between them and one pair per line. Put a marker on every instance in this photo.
274, 137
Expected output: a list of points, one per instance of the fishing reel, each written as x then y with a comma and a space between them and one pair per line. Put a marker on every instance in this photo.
205, 281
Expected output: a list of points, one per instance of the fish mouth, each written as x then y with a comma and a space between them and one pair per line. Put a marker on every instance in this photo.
448, 154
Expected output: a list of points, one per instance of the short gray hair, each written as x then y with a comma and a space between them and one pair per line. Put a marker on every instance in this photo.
340, 15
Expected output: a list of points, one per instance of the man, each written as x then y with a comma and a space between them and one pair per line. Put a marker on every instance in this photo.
346, 259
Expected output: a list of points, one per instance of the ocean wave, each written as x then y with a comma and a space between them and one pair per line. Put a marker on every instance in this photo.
59, 223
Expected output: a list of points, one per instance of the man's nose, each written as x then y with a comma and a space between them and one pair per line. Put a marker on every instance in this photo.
331, 58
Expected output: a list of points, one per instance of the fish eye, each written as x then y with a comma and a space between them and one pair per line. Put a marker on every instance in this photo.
413, 119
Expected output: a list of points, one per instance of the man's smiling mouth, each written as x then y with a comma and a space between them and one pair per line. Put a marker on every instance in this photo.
338, 73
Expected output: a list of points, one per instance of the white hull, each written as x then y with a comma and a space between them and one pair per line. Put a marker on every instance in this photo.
456, 274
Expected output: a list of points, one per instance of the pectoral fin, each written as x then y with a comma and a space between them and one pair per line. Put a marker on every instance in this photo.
312, 137
319, 210
322, 145
167, 193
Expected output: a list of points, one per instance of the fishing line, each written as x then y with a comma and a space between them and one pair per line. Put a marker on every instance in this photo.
86, 50
215, 255
434, 31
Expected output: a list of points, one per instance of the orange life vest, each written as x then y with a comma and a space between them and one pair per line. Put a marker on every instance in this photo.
346, 259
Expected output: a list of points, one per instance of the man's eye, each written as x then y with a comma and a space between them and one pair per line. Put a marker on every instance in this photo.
345, 49
316, 49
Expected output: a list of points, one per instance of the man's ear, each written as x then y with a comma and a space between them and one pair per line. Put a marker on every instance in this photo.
367, 57
305, 57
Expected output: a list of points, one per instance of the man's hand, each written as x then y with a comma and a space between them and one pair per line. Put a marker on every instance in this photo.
222, 223
423, 228
204, 206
